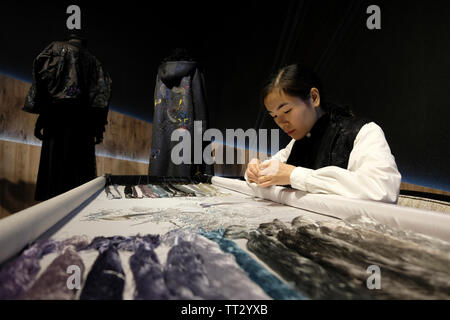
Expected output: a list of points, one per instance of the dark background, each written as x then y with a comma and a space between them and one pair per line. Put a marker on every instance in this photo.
399, 76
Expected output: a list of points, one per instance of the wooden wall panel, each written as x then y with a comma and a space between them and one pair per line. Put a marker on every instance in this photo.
125, 138
15, 123
413, 187
120, 167
18, 174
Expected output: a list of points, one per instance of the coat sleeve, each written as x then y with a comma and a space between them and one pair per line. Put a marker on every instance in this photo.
201, 106
199, 99
100, 88
372, 173
100, 95
35, 97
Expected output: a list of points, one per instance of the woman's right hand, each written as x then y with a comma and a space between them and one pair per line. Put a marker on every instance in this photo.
253, 170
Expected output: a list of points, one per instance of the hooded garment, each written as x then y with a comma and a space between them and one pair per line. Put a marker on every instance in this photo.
179, 101
71, 93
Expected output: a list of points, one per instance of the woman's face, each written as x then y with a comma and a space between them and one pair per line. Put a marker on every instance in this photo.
293, 115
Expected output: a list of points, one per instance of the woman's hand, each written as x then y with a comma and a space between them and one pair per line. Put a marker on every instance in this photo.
274, 172
253, 170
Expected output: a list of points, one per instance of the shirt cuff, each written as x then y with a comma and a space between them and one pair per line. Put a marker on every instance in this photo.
298, 178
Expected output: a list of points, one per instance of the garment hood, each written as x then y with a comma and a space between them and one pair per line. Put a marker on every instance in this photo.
172, 72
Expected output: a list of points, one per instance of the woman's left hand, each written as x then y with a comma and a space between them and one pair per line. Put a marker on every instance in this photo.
273, 173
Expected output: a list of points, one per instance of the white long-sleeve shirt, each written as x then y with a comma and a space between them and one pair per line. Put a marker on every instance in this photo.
371, 174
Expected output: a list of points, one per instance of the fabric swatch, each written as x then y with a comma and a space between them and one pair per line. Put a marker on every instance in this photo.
197, 191
271, 285
158, 190
17, 275
311, 279
119, 194
176, 192
52, 284
128, 192
135, 193
77, 243
350, 258
182, 188
148, 275
106, 280
224, 279
147, 192
213, 189
186, 276
206, 190
139, 193
124, 243
170, 190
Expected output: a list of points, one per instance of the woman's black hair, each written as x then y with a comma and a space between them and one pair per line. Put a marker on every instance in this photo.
297, 80
294, 80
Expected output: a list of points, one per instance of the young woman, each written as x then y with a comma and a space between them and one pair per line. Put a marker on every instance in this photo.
331, 151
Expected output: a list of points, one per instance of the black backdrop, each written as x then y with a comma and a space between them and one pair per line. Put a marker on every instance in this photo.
399, 76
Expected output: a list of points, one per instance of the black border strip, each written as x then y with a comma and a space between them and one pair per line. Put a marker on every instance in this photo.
426, 195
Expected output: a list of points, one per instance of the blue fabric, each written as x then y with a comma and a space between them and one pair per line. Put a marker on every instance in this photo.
273, 286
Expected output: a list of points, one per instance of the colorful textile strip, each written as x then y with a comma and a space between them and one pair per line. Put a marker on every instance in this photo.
199, 265
159, 191
273, 286
53, 284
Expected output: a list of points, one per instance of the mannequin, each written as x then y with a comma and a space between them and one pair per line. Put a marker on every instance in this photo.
180, 99
71, 93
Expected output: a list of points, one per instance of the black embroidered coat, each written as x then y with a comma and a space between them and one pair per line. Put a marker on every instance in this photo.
180, 99
71, 93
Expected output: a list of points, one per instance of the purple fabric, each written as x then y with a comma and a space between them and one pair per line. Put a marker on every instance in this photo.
186, 275
148, 275
224, 275
78, 243
52, 284
17, 275
124, 243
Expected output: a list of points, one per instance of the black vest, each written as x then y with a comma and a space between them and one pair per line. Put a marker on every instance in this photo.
330, 143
